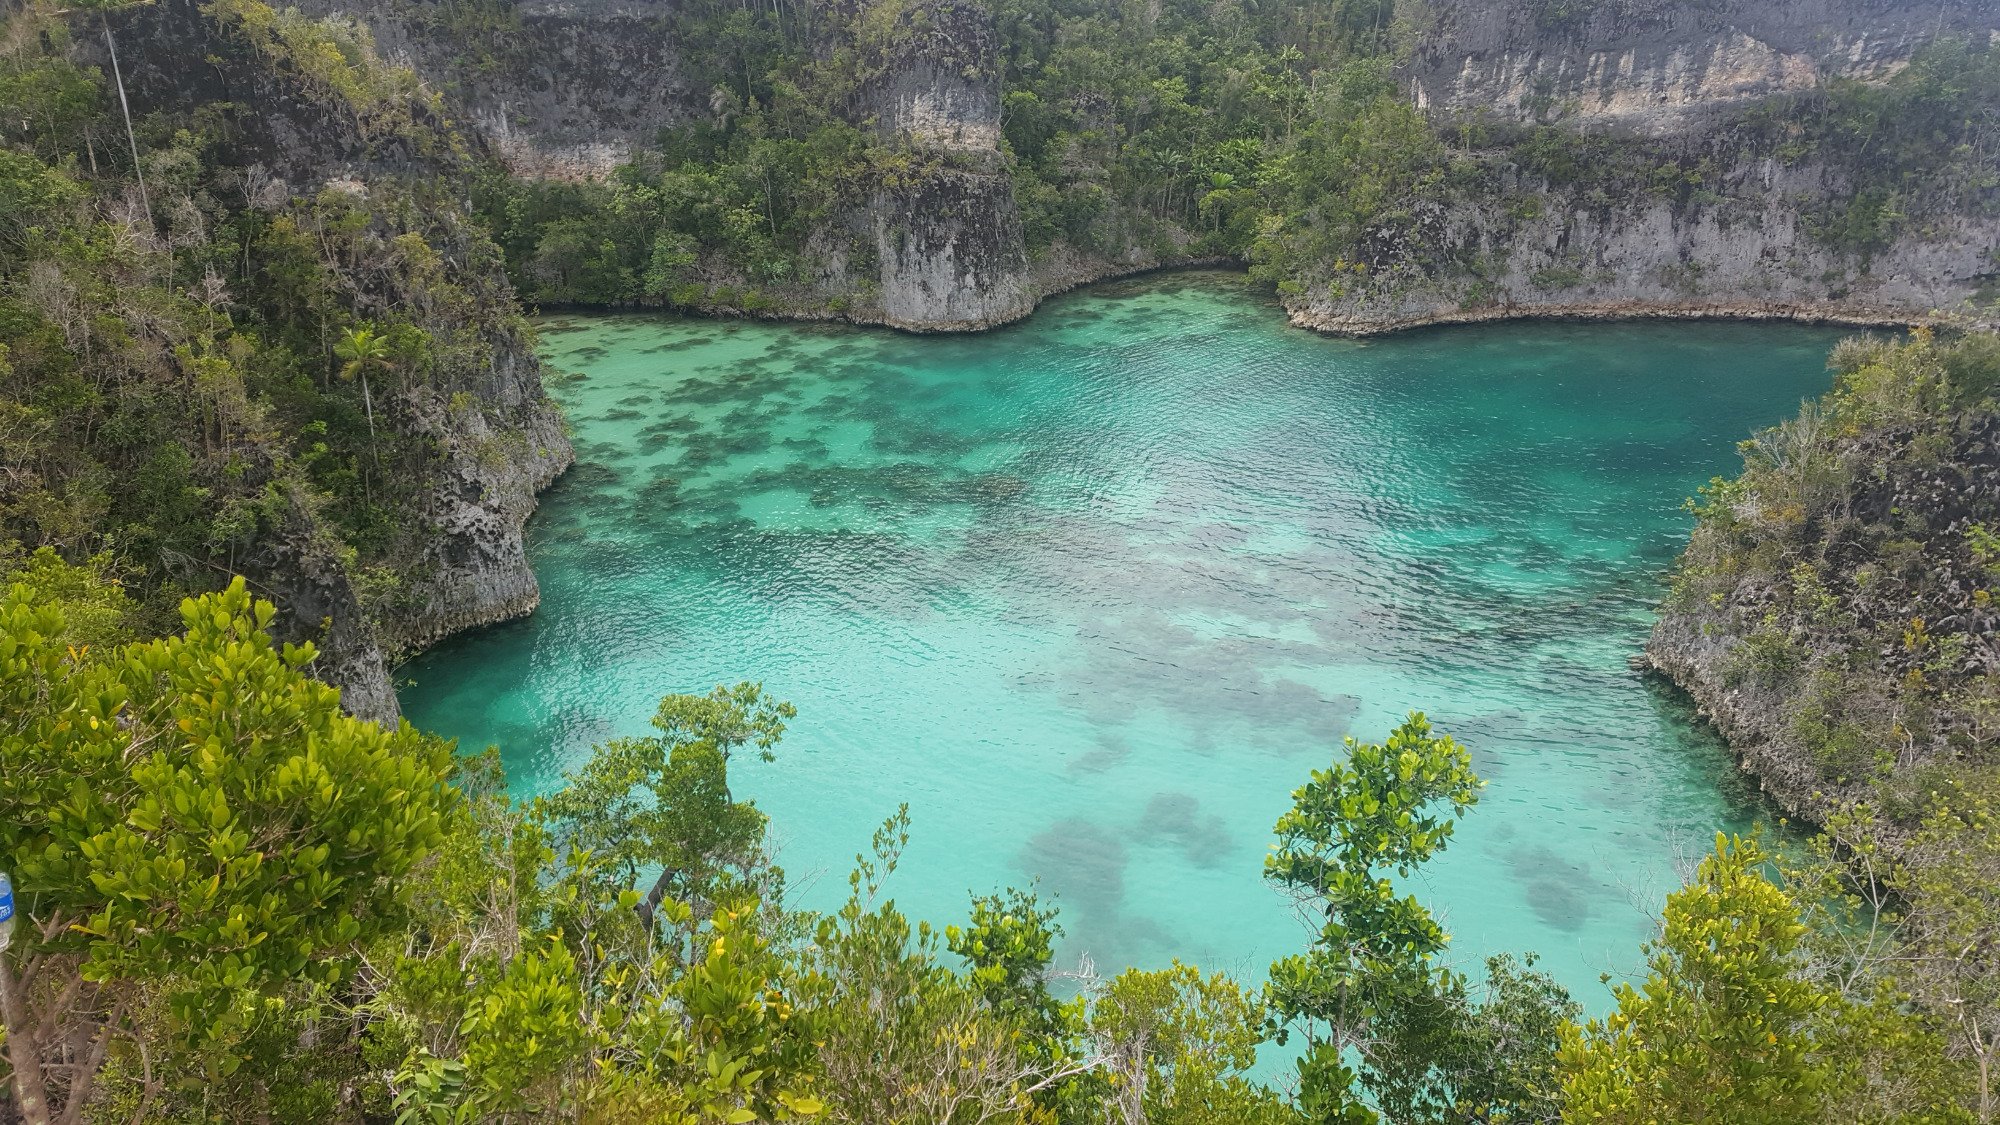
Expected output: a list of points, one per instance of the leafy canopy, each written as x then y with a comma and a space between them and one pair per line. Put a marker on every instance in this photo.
196, 810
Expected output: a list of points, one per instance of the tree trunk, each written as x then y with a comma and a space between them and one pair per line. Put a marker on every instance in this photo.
79, 1088
137, 174
650, 905
24, 1056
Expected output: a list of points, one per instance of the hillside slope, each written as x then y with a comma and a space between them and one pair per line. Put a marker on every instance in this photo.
1402, 165
183, 387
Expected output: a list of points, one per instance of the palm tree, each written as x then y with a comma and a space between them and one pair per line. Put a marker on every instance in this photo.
359, 350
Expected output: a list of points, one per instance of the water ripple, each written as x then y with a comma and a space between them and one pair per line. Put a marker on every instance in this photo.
1093, 594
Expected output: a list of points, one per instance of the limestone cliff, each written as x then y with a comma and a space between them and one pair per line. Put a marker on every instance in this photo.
934, 241
1744, 254
947, 234
1674, 80
949, 245
493, 437
1833, 613
497, 453
1662, 67
565, 89
569, 91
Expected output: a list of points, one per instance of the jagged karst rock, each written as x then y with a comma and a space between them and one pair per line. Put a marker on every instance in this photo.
938, 86
1659, 66
1896, 502
496, 460
951, 251
297, 568
562, 89
947, 233
498, 437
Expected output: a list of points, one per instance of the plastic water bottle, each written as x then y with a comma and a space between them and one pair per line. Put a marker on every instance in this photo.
6, 910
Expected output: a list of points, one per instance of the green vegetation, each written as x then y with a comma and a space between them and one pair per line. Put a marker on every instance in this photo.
233, 365
239, 904
1370, 987
1277, 135
1848, 577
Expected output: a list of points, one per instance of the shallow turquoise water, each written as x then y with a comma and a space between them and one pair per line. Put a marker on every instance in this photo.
1094, 593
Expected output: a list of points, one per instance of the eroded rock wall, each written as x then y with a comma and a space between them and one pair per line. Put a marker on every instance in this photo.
1845, 646
495, 459
1660, 67
497, 437
949, 243
947, 232
557, 89
1747, 256
566, 88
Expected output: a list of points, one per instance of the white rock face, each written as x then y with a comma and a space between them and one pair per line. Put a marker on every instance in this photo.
951, 253
931, 109
948, 234
533, 157
1659, 68
1656, 259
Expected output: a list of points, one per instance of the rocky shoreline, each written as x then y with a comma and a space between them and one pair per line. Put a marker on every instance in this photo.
1352, 325
1833, 313
1690, 653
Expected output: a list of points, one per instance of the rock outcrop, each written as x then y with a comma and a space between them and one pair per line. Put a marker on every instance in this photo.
947, 232
1832, 614
566, 89
1744, 255
1674, 80
497, 439
297, 566
560, 89
496, 457
949, 243
1661, 67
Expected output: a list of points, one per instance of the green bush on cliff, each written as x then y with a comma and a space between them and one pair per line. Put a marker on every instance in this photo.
1277, 135
198, 827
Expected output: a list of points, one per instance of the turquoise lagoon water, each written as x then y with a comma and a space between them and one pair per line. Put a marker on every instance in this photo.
1095, 592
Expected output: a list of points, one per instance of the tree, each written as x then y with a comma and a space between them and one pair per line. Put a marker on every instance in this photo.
1007, 948
1950, 957
104, 8
904, 1040
360, 350
1380, 811
1454, 1056
663, 800
1723, 1028
192, 815
1889, 1038
535, 989
1179, 1048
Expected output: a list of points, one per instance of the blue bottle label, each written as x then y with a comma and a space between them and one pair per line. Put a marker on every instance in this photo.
6, 899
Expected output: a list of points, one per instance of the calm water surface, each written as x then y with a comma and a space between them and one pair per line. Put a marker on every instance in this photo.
1095, 592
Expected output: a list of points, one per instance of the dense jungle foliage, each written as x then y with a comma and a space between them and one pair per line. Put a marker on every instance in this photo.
1848, 578
1272, 134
